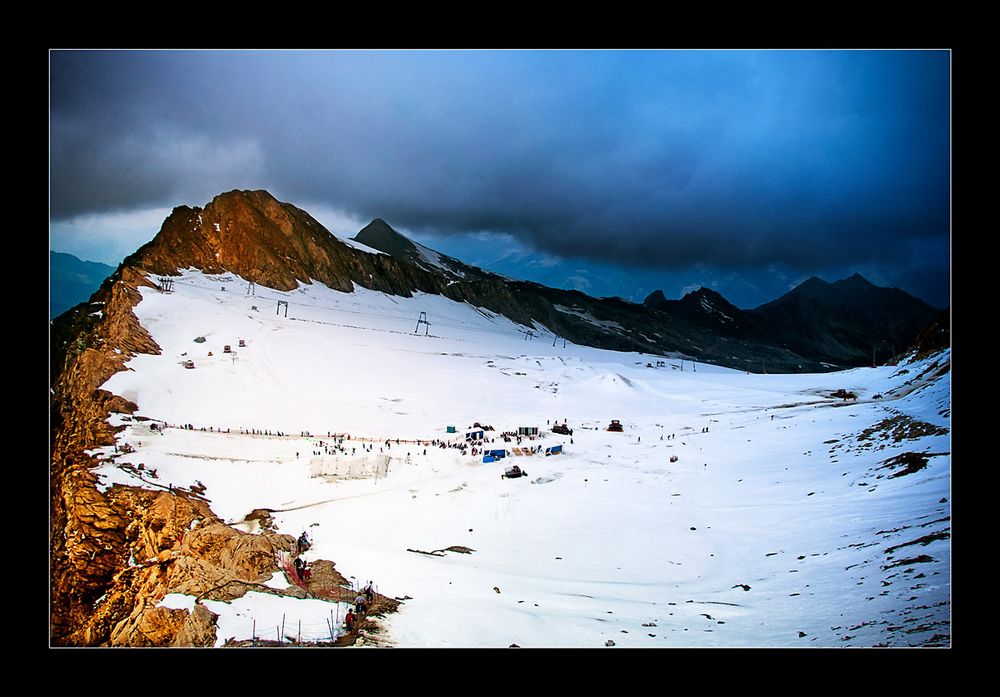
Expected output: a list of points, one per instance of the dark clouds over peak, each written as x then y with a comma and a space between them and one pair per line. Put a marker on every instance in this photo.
661, 158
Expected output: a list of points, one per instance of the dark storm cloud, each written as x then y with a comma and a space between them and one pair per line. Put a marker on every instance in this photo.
811, 159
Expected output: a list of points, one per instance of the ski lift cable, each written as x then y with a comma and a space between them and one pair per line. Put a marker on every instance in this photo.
395, 318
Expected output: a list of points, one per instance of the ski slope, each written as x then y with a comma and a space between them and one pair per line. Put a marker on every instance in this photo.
774, 526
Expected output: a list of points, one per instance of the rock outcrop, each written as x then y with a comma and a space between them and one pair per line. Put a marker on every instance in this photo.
274, 244
176, 545
87, 529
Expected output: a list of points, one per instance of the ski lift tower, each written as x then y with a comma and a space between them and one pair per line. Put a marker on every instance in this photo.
423, 320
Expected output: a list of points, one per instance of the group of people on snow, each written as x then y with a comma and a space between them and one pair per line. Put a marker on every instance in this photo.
363, 599
362, 603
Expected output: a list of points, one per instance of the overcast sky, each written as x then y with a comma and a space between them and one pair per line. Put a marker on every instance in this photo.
734, 163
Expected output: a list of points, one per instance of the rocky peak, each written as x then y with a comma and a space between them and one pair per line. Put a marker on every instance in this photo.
696, 298
656, 300
855, 282
249, 233
813, 283
379, 235
838, 322
704, 294
711, 304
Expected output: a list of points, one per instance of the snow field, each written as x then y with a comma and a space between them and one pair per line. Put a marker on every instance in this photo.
586, 547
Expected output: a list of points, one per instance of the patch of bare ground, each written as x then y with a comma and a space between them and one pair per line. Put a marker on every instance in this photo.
440, 552
925, 540
907, 463
922, 559
898, 428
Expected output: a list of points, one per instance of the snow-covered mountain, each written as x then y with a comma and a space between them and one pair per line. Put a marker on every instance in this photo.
733, 510
277, 245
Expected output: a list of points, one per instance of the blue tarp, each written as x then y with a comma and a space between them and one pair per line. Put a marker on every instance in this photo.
498, 454
554, 450
474, 435
489, 459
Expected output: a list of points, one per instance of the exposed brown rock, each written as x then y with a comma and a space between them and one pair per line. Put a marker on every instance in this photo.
198, 629
274, 244
87, 530
175, 545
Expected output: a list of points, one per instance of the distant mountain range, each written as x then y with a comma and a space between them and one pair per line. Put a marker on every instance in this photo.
842, 320
849, 322
745, 288
817, 326
72, 280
